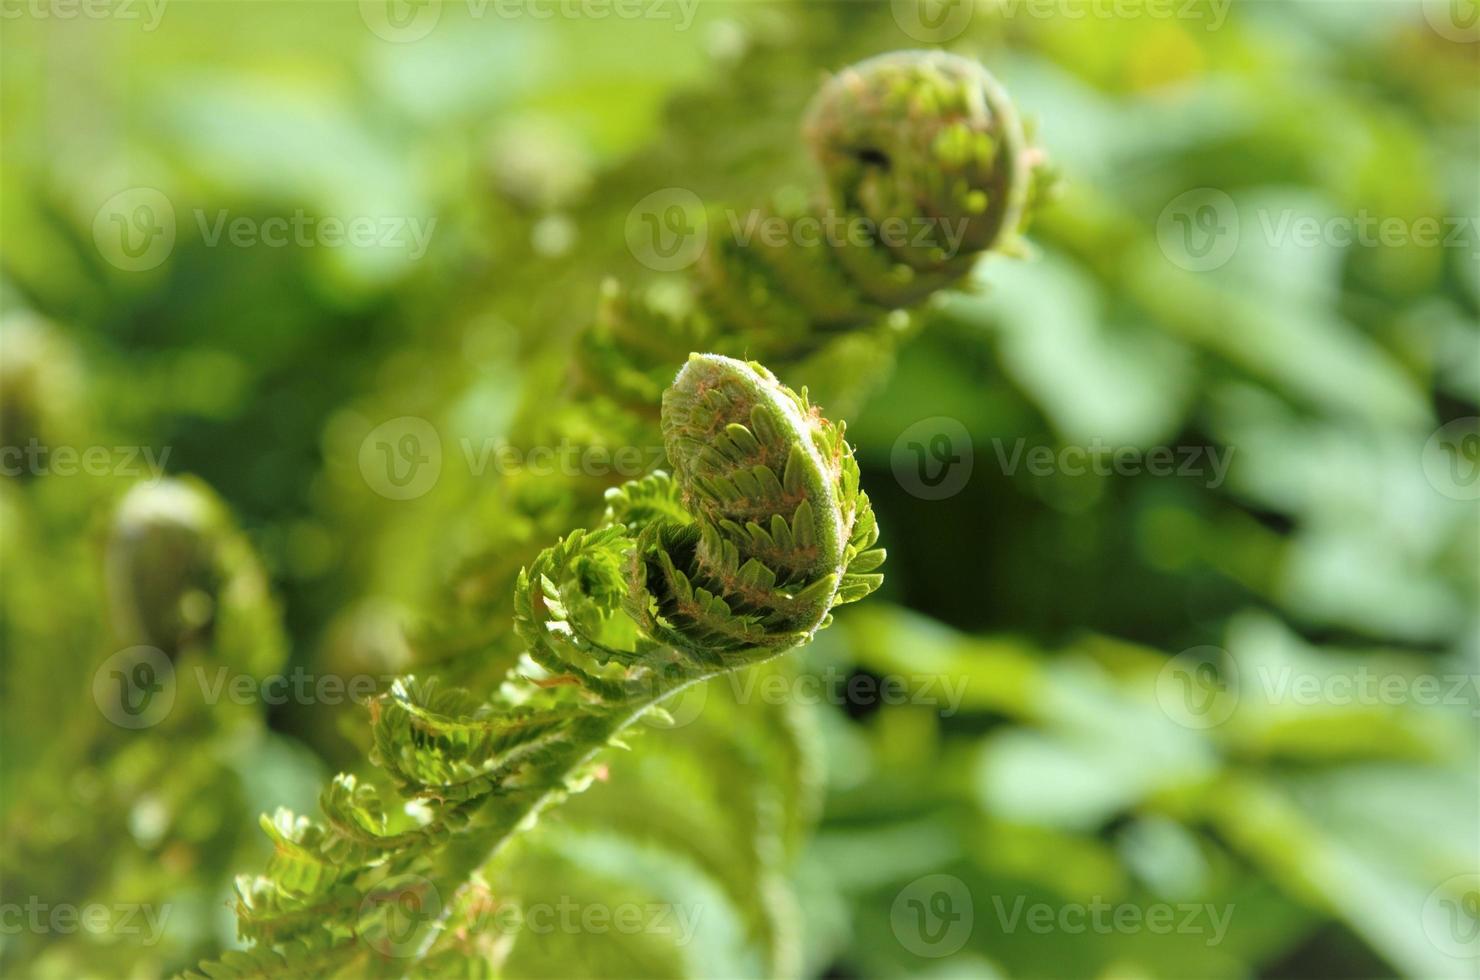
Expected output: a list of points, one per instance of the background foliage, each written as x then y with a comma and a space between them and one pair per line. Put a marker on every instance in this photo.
1337, 830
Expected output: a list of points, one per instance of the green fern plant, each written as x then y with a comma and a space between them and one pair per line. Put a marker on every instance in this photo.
742, 554
739, 555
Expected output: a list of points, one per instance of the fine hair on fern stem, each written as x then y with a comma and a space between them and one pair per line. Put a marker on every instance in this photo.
740, 555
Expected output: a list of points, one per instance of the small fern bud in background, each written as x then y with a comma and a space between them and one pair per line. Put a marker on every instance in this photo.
39, 388
161, 567
180, 576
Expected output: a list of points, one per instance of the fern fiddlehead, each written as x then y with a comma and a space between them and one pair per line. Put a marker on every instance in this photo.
780, 524
737, 557
924, 168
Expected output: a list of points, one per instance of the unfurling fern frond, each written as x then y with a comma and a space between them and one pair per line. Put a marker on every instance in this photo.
774, 490
924, 167
738, 556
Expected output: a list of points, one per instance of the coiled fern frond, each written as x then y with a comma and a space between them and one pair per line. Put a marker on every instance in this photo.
738, 556
925, 167
780, 526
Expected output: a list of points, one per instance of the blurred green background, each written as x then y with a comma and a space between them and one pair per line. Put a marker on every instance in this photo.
1235, 704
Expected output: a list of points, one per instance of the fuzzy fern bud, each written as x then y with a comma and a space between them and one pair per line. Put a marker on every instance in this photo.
162, 575
180, 576
925, 167
740, 554
774, 493
923, 134
38, 388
